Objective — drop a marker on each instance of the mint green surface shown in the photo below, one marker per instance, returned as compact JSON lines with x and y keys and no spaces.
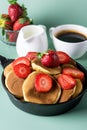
{"x":49,"y":13}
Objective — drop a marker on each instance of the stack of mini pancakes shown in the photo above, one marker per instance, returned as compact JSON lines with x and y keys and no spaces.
{"x":25,"y":89}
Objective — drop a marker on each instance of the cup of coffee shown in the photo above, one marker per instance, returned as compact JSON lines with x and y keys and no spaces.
{"x":70,"y":38}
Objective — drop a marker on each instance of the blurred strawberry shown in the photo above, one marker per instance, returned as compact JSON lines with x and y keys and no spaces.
{"x":5,"y":22}
{"x":11,"y":36}
{"x":74,"y":72}
{"x":21,"y":22}
{"x":32,"y":55}
{"x":15,"y":10}
{"x":63,"y":57}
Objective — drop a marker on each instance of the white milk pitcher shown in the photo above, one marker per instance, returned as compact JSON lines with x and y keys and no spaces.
{"x":31,"y":38}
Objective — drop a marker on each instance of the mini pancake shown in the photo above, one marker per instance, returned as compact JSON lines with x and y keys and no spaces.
{"x":36,"y":65}
{"x":7,"y":69}
{"x":68,"y":65}
{"x":14,"y":84}
{"x":66,"y":95}
{"x":79,"y":88}
{"x":31,"y":95}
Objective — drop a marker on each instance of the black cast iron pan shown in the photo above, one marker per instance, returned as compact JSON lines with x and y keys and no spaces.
{"x":44,"y":109}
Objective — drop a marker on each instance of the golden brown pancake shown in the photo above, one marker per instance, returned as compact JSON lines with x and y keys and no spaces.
{"x":67,"y":94}
{"x":36,"y":65}
{"x":68,"y":65}
{"x":14,"y":84}
{"x":78,"y":89}
{"x":7,"y":69}
{"x":31,"y":95}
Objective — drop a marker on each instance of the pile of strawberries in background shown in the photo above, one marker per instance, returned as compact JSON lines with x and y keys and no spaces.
{"x":16,"y":18}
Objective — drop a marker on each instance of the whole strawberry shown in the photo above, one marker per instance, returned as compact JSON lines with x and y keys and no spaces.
{"x":15,"y":10}
{"x":5,"y":22}
{"x":21,"y":22}
{"x":50,"y":59}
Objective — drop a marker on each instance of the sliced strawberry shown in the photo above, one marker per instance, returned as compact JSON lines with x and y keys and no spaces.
{"x":32,"y":55}
{"x":43,"y":82}
{"x":50,"y":59}
{"x":74,"y":73}
{"x":66,"y":81}
{"x":23,"y":60}
{"x":63,"y":57}
{"x":22,"y":70}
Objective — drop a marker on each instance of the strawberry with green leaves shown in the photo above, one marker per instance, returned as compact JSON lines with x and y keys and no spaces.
{"x":50,"y":59}
{"x":21,"y":22}
{"x":5,"y":22}
{"x":15,"y":10}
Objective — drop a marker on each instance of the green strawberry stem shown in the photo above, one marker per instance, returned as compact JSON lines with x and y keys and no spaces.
{"x":40,"y":55}
{"x":24,"y":10}
{"x":12,"y":1}
{"x":3,"y":32}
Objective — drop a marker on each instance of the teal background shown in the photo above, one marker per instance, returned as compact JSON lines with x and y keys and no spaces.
{"x":50,"y":13}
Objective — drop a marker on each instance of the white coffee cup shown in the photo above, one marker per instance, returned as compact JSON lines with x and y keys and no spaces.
{"x":74,"y":49}
{"x":31,"y":38}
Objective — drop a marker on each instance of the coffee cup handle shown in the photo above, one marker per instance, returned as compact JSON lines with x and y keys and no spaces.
{"x":50,"y":31}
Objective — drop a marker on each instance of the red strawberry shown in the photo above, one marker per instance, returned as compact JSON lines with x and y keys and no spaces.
{"x":14,"y":10}
{"x":22,"y":60}
{"x":66,"y":81}
{"x":63,"y":57}
{"x":50,"y":59}
{"x":5,"y":22}
{"x":12,"y":36}
{"x":22,"y":70}
{"x":74,"y":73}
{"x":43,"y":82}
{"x":32,"y":55}
{"x":21,"y":22}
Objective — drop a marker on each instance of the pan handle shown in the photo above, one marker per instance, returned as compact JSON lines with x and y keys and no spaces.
{"x":4,"y":61}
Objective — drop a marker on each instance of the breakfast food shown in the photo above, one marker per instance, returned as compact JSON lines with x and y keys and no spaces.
{"x":43,"y":95}
{"x":7,"y":69}
{"x":14,"y":84}
{"x":37,"y":65}
{"x":67,"y":94}
{"x":43,"y":81}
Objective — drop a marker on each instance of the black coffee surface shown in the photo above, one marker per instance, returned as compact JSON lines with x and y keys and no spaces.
{"x":71,"y":37}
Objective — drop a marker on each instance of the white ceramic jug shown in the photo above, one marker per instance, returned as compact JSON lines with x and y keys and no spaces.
{"x":32,"y":38}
